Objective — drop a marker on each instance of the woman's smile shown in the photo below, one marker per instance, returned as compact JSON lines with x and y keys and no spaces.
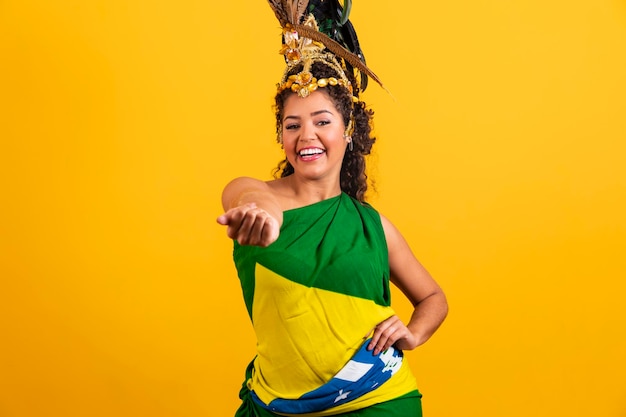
{"x":310,"y":153}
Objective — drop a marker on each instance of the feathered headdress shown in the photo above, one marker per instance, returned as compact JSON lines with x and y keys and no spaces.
{"x":319,"y":31}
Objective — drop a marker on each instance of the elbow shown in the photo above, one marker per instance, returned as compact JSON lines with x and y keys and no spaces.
{"x":437,"y":302}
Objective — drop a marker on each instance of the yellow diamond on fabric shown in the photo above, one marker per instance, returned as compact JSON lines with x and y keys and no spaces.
{"x":309,"y":326}
{"x":306,"y":335}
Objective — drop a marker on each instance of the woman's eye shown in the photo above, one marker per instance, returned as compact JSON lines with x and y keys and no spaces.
{"x":291,"y":126}
{"x":323,"y":122}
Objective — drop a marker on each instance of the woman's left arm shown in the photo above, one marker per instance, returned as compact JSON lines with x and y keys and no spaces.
{"x":429,"y":301}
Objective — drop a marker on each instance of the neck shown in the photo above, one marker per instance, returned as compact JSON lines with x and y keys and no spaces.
{"x":309,"y":192}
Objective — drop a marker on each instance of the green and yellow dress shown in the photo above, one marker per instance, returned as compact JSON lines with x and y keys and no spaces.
{"x":313,"y":297}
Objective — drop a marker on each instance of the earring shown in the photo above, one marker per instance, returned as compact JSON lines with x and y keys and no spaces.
{"x":350,"y":144}
{"x":350,"y":127}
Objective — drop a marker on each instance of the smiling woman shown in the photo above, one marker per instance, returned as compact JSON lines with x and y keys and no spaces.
{"x":315,"y":260}
{"x":314,"y":138}
{"x":346,"y":110}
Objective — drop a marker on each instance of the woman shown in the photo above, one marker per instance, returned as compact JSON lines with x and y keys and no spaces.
{"x":315,"y":261}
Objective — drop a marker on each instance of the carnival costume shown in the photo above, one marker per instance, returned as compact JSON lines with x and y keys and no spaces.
{"x":315,"y":295}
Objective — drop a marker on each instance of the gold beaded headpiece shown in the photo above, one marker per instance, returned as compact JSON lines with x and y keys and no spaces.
{"x":336,"y":45}
{"x":301,"y":50}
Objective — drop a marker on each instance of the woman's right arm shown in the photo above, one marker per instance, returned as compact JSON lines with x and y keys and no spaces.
{"x":252,"y":215}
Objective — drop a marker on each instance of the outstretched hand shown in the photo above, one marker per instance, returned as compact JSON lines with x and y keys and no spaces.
{"x":250,"y":225}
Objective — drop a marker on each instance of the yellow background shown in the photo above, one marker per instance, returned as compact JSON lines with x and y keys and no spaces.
{"x":501,"y":157}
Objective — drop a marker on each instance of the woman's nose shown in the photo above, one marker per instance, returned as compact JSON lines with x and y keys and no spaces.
{"x":307,"y":132}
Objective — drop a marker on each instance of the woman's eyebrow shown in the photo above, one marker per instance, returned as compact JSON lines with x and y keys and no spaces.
{"x":315,"y":113}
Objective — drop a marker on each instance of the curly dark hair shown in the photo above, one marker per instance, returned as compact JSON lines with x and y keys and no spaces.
{"x":353,"y":179}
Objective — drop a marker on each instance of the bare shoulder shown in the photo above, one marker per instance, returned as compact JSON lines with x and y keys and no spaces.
{"x":279,"y":185}
{"x":244,"y":183}
{"x":392,"y":234}
{"x":236,"y":188}
{"x":283,"y":192}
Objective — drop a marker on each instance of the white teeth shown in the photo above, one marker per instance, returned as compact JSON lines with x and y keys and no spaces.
{"x":310,"y":151}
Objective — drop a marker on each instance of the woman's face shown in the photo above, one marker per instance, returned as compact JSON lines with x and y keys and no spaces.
{"x":313,"y":136}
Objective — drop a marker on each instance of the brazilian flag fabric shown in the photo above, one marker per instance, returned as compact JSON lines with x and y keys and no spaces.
{"x":314,"y":296}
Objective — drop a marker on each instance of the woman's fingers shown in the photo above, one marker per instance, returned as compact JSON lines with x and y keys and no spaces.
{"x":258,"y":228}
{"x":389,"y":332}
{"x":271,"y":230}
{"x":250,"y":225}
